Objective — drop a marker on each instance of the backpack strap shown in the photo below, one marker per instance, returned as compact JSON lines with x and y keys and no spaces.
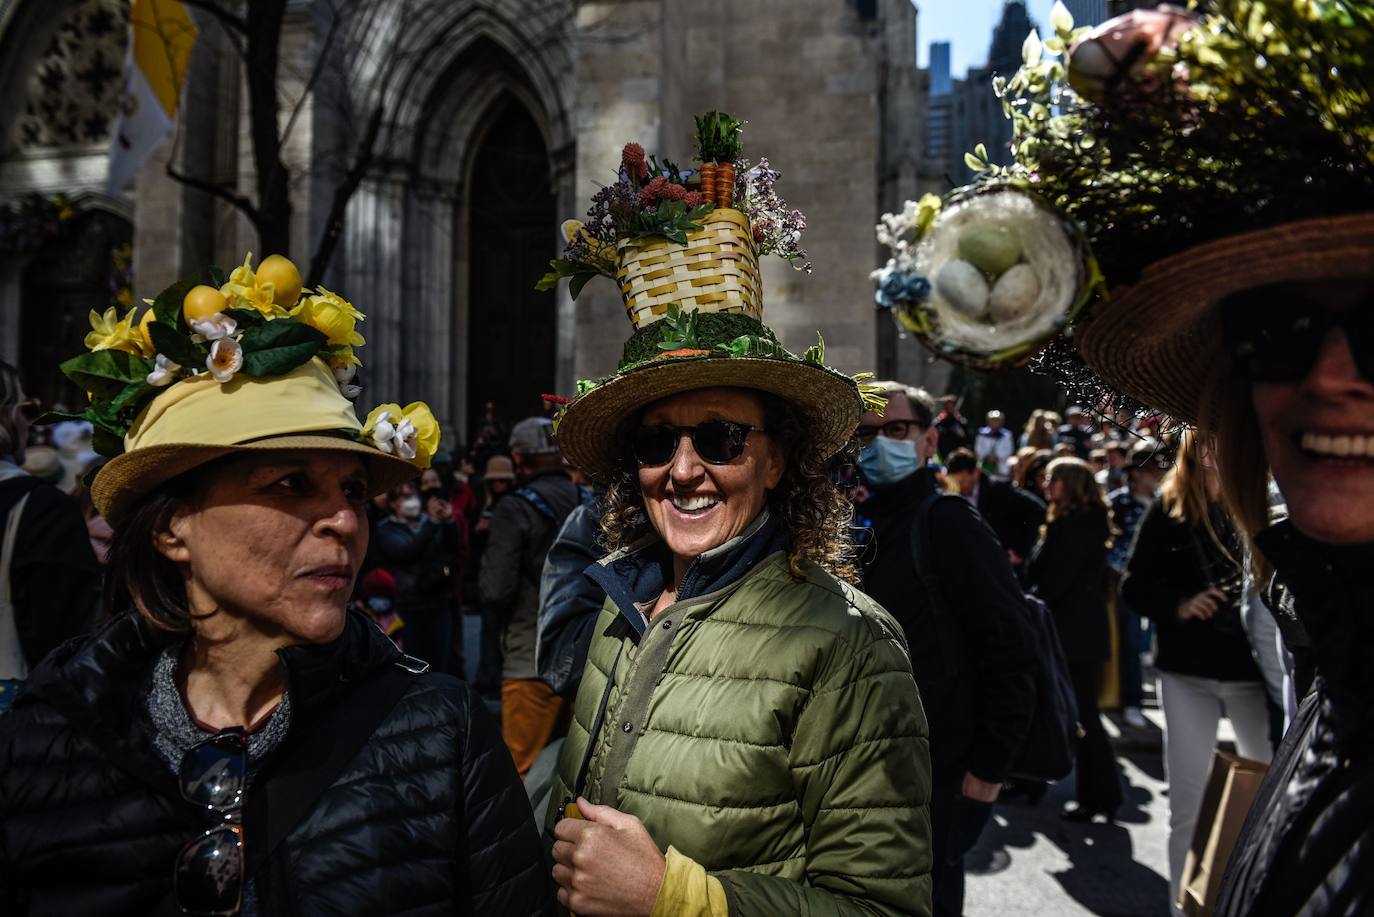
{"x":532,"y":497}
{"x":946,"y":628}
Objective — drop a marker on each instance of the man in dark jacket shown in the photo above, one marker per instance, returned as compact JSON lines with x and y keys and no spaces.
{"x":408,"y":806}
{"x":418,"y":549}
{"x":523,"y":527}
{"x":1014,"y":514}
{"x":974,"y":662}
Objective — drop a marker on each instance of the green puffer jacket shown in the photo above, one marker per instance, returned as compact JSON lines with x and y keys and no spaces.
{"x":771,"y":731}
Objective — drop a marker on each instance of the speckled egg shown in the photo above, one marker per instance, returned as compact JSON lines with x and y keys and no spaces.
{"x":962,"y":286}
{"x":991,"y":249}
{"x":1014,"y":294}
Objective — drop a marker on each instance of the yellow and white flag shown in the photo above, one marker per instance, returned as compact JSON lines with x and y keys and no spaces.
{"x":161,"y":36}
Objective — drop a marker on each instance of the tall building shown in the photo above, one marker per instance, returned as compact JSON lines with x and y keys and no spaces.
{"x":1090,"y":12}
{"x":497,"y":120}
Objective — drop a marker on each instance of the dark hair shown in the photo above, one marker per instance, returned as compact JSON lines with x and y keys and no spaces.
{"x":961,"y":460}
{"x":813,"y":511}
{"x":141,"y":576}
{"x":11,"y":394}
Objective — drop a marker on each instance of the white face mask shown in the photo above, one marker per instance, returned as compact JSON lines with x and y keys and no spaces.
{"x":409,"y":508}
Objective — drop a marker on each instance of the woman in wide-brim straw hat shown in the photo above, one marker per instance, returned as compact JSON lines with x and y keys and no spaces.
{"x":748,"y":736}
{"x":234,"y":740}
{"x":1220,"y":166}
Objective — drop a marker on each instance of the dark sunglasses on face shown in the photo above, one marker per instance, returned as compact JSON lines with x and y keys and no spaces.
{"x":209,"y":871}
{"x":892,"y":429}
{"x":1277,"y":337}
{"x":718,"y":442}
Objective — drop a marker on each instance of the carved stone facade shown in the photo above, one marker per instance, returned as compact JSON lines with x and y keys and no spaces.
{"x":443,"y":240}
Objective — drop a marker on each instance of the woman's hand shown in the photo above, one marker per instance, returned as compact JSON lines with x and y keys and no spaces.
{"x":1202,"y":606}
{"x":605,"y":863}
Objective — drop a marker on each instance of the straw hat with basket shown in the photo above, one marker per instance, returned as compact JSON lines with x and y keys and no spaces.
{"x":1195,"y":155}
{"x":687,"y":266}
{"x":242,"y":364}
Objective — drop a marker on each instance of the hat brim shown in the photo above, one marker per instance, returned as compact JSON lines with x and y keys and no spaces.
{"x":592,"y":429}
{"x":1160,"y":340}
{"x":128,"y":478}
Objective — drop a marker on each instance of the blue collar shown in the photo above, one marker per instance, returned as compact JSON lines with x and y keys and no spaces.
{"x":634,"y":577}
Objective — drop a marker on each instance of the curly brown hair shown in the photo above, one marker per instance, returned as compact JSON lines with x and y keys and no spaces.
{"x":815,"y":514}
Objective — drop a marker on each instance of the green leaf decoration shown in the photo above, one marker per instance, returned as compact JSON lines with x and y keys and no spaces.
{"x":579,"y":281}
{"x":277,"y":347}
{"x":133,"y":393}
{"x":246,"y":318}
{"x":104,"y":373}
{"x":106,"y":443}
{"x":816,"y":352}
{"x":176,"y":346}
{"x":167,"y":306}
{"x":585,"y":385}
{"x":751,"y":345}
{"x":577,"y":272}
{"x":216,"y":277}
{"x":51,"y":417}
{"x":679,"y":330}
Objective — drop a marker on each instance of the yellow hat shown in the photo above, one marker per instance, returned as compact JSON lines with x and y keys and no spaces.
{"x":266,"y":367}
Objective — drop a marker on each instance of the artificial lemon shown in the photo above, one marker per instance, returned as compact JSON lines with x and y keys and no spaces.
{"x":571,"y":229}
{"x":284,"y":277}
{"x":149,"y":316}
{"x":203,"y":302}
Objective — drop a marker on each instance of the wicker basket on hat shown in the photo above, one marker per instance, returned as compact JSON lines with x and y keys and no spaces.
{"x":716,"y":271}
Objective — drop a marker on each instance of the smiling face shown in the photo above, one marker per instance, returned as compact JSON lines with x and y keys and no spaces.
{"x":1318,"y":433}
{"x":273,"y":542}
{"x":696,"y":506}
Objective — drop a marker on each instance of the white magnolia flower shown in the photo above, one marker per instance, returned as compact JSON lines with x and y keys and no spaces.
{"x":384,"y":432}
{"x":345,"y":374}
{"x":164,"y":372}
{"x":226,"y":358}
{"x":404,"y":440}
{"x":214,"y":327}
{"x":350,"y":391}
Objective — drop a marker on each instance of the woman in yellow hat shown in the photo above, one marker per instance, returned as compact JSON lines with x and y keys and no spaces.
{"x":235,"y":741}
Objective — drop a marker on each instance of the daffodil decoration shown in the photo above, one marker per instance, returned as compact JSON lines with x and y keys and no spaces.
{"x":410,"y":433}
{"x":259,"y":323}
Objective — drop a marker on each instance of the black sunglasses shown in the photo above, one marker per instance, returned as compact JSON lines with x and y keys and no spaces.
{"x":718,"y":442}
{"x":1273,"y":336}
{"x":209,"y":872}
{"x":893,"y":429}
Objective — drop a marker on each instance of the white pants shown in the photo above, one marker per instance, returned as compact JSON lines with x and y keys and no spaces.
{"x":1193,"y":707}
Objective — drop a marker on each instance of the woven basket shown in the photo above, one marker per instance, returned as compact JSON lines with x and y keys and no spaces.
{"x":716,"y":271}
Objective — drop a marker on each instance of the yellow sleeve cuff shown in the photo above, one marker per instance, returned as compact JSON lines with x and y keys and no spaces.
{"x":687,"y":891}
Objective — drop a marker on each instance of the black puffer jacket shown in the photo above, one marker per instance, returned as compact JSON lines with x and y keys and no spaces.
{"x":426,"y":816}
{"x":1308,"y":845}
{"x":1068,"y":571}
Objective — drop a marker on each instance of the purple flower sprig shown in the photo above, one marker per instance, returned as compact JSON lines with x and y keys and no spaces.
{"x":777,"y":228}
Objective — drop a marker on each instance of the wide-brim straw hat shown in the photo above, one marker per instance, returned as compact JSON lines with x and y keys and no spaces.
{"x":1160,"y":340}
{"x":198,"y":420}
{"x":593,"y":430}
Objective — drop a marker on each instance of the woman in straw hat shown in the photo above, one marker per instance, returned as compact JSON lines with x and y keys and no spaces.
{"x":1219,"y":166}
{"x":235,"y":741}
{"x":747,"y":737}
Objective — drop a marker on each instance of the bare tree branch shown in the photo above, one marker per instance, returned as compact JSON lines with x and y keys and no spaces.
{"x":229,"y":20}
{"x":238,"y":201}
{"x":343,"y":193}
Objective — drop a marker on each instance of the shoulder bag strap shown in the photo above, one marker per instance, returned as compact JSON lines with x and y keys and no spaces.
{"x":946,"y":628}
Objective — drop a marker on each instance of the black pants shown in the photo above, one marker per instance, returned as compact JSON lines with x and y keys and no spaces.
{"x":955,"y":825}
{"x":1099,"y":782}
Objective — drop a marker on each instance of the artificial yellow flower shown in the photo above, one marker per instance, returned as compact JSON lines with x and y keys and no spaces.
{"x":410,"y":433}
{"x":331,"y":315}
{"x":344,"y":359}
{"x":110,"y":332}
{"x":245,"y":291}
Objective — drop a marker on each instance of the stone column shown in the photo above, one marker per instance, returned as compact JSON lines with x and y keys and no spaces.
{"x":371,"y":265}
{"x":11,"y":301}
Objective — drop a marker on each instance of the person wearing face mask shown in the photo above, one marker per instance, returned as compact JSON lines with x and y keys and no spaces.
{"x":975,"y":664}
{"x":418,"y":550}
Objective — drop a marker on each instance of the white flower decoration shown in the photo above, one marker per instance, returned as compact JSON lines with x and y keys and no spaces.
{"x":345,"y":374}
{"x":215,"y":327}
{"x":350,"y":391}
{"x":164,"y":372}
{"x":226,"y":358}
{"x":394,"y":439}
